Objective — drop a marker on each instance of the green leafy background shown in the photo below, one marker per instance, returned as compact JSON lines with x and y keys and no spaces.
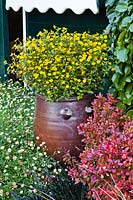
{"x":120,"y":28}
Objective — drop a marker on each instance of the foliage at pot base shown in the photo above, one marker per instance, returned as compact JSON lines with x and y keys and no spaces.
{"x":106,"y":163}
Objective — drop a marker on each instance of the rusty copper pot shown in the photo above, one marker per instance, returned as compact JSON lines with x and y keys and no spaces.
{"x":55,"y":123}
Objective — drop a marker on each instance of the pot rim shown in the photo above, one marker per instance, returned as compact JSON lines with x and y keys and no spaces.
{"x":73,"y":98}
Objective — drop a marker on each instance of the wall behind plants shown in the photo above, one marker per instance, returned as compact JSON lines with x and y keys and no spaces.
{"x":87,"y":21}
{"x":120,"y":28}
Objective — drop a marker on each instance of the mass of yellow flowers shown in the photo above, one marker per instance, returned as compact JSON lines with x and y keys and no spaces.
{"x":59,"y":64}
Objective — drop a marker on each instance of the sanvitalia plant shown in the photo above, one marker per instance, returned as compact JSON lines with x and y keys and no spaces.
{"x":59,"y":64}
{"x":107,"y":156}
{"x":120,"y":28}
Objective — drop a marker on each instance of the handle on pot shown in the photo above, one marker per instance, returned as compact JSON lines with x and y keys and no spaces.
{"x":88,"y":109}
{"x":66,"y":113}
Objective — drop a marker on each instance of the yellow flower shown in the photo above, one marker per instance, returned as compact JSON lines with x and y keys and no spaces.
{"x":37,"y":67}
{"x":78,"y":80}
{"x":89,"y":58}
{"x":48,"y":91}
{"x":67,"y":75}
{"x":56,"y":58}
{"x":43,"y":73}
{"x":82,"y":73}
{"x":84,"y":81}
{"x":67,"y":86}
{"x":51,"y":80}
{"x":54,"y":73}
{"x":93,"y":63}
{"x":35,"y":75}
{"x":112,"y":69}
{"x":70,"y":67}
{"x":98,"y":61}
{"x":63,"y":82}
{"x":90,"y":50}
{"x":105,"y":37}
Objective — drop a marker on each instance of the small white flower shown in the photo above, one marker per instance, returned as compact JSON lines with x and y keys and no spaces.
{"x":7,"y":193}
{"x":45,"y":154}
{"x":1,"y":192}
{"x":40,"y":154}
{"x":35,"y":168}
{"x":15,"y":168}
{"x":20,"y":150}
{"x":14,"y":157}
{"x":9,"y":150}
{"x":9,"y":140}
{"x":55,"y":170}
{"x":37,"y":137}
{"x":14,"y":183}
{"x":7,"y":158}
{"x":34,"y":158}
{"x":43,"y":143}
{"x":35,"y":191}
{"x":22,"y":185}
{"x":59,"y":170}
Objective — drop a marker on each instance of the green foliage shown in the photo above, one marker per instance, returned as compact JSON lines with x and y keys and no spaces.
{"x":19,"y":156}
{"x":120,"y":28}
{"x":27,"y":173}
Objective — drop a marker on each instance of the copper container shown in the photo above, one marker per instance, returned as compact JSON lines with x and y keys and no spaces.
{"x":56,"y":124}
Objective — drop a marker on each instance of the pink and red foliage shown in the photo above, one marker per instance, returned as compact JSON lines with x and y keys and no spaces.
{"x":108,"y":152}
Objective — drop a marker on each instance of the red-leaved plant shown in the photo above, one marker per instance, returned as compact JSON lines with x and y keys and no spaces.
{"x":106,"y":163}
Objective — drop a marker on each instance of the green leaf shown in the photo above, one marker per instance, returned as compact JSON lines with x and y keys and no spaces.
{"x":131,"y":28}
{"x":121,"y":38}
{"x":122,"y":82}
{"x":127,"y":70}
{"x":128,"y":79}
{"x":129,"y":88}
{"x":130,"y":114}
{"x":130,"y":8}
{"x":118,"y":69}
{"x":121,"y":105}
{"x":115,"y":77}
{"x":125,"y":21}
{"x":121,"y":7}
{"x":111,"y":17}
{"x":109,"y":2}
{"x":121,"y":95}
{"x":128,"y":95}
{"x":111,"y":90}
{"x":115,"y":80}
{"x":122,"y":54}
{"x":128,"y":101}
